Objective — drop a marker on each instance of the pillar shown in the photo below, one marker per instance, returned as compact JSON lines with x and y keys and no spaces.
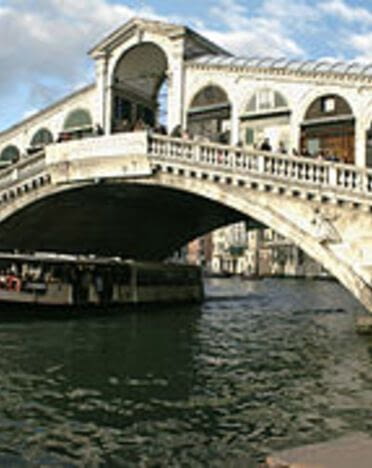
{"x":360,"y":144}
{"x":101,"y":80}
{"x":235,"y":137}
{"x":175,"y":90}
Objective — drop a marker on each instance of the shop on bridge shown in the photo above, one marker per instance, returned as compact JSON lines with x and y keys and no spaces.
{"x":209,"y":115}
{"x":266,"y":117}
{"x":329,"y":128}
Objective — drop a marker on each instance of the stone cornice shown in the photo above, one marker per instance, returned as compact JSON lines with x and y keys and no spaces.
{"x":321,"y":78}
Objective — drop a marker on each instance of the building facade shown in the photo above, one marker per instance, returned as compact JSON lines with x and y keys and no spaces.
{"x":257,"y":253}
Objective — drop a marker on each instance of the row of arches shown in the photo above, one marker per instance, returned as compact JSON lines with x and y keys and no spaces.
{"x":328,"y":125}
{"x":139,"y":77}
{"x":77,"y":124}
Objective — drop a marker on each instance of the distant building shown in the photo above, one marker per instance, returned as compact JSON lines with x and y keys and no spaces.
{"x":233,"y":250}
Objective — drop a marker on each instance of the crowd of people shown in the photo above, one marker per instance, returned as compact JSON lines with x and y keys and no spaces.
{"x":222,"y":137}
{"x":321,"y":154}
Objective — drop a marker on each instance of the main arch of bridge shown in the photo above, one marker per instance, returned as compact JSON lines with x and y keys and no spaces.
{"x":151,"y":218}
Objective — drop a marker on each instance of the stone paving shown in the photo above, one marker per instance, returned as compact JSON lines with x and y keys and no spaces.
{"x":353,"y":451}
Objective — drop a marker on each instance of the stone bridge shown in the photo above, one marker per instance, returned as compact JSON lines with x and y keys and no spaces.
{"x":143,"y":195}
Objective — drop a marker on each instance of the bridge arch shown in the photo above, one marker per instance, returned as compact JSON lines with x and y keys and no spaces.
{"x":259,"y":208}
{"x":10,"y":153}
{"x":209,"y":113}
{"x":85,"y":215}
{"x":137,"y":77}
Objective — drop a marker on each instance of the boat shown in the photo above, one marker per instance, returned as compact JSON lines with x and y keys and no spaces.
{"x":44,"y":279}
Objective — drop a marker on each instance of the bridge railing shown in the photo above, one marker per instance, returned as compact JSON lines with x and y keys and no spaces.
{"x":23,"y":169}
{"x":281,"y":167}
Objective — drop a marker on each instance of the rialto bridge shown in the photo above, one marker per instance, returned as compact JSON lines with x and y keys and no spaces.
{"x":75,"y":179}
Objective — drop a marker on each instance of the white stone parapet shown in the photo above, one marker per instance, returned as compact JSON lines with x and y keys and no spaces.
{"x":130,"y":154}
{"x":299,"y":171}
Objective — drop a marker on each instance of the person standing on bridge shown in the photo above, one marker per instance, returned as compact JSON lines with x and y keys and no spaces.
{"x":266,"y":146}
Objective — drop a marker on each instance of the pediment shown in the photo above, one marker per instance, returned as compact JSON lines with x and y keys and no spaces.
{"x":195,"y":44}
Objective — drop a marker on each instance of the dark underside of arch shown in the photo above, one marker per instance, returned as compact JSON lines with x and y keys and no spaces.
{"x":132,"y":220}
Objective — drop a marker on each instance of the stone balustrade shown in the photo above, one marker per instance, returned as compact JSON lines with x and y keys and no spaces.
{"x":280,"y":167}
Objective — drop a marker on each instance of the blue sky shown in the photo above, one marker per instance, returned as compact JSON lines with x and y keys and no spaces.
{"x":44,"y":42}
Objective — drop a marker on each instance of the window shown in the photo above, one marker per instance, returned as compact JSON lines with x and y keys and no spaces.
{"x":249,"y":136}
{"x":313,"y":145}
{"x":266,"y":99}
{"x":41,"y":138}
{"x":10,"y":154}
{"x":78,"y":118}
{"x":328,"y":104}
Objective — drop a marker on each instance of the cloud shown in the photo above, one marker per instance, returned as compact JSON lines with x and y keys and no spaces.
{"x":361,"y":43}
{"x":44,"y":44}
{"x":348,"y":13}
{"x":261,"y":34}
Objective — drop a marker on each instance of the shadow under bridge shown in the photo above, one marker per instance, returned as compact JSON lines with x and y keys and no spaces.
{"x":132,"y":220}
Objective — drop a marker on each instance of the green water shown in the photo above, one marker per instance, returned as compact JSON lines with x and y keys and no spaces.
{"x":259,"y":366}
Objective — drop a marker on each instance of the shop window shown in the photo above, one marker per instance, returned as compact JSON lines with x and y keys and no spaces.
{"x":313,"y":145}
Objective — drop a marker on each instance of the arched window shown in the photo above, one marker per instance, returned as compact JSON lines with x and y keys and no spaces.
{"x":328,"y":128}
{"x":138,"y":84}
{"x":41,"y":138}
{"x":209,"y":114}
{"x":266,"y":119}
{"x":266,"y":99}
{"x":10,"y":154}
{"x":78,"y":119}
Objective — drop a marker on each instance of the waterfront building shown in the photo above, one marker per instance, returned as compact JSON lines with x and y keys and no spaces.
{"x":259,"y":253}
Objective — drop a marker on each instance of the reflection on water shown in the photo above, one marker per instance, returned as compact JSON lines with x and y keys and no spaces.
{"x":260,"y":366}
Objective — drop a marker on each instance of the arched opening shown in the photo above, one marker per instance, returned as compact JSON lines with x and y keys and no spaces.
{"x":369,"y":146}
{"x":209,"y":114}
{"x":40,"y":139}
{"x":10,"y":155}
{"x":328,"y":129}
{"x":78,"y":124}
{"x":139,"y":85}
{"x":266,"y":119}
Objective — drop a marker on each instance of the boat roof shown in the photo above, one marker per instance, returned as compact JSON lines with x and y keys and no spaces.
{"x":53,"y":259}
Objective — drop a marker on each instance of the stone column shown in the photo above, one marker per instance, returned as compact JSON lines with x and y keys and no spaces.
{"x":175,"y":90}
{"x":234,"y":123}
{"x":295,"y":133}
{"x":360,"y":144}
{"x":101,"y":80}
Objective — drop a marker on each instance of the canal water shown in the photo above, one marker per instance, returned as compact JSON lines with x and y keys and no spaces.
{"x":259,"y":366}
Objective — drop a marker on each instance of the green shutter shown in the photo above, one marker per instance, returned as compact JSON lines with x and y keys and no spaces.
{"x":249,"y":136}
{"x":10,"y":153}
{"x":77,"y":119}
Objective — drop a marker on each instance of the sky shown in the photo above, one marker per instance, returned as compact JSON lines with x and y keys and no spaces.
{"x":45,"y":42}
